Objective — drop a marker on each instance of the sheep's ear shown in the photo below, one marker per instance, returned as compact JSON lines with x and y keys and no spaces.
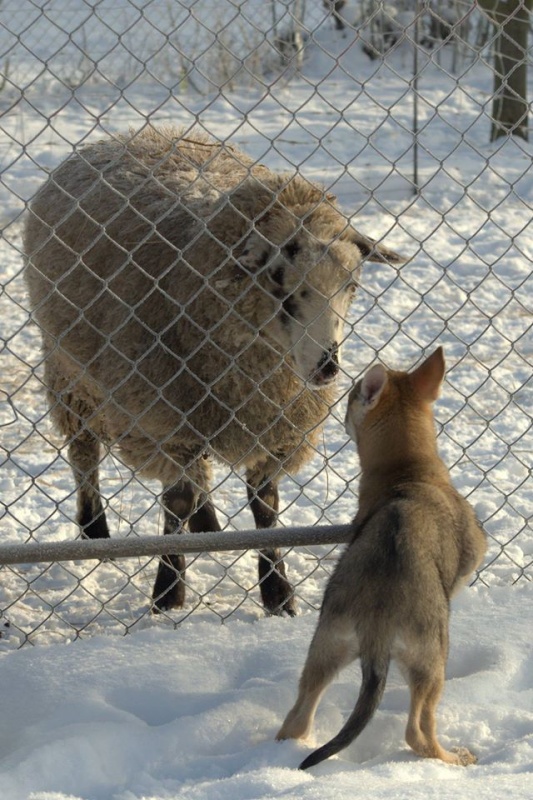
{"x":256,"y":253}
{"x":372,"y":386}
{"x":427,"y":378}
{"x":373,"y":251}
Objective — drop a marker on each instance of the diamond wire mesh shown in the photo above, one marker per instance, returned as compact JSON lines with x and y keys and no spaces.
{"x":325,"y":90}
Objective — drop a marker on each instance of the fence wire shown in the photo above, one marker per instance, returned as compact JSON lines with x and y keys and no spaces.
{"x":414,"y":115}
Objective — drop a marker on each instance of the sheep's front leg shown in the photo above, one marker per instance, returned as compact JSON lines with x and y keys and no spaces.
{"x":204,"y":519}
{"x":276,"y":591}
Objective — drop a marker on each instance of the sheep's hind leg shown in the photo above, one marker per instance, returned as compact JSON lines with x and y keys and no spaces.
{"x":169,"y":587}
{"x":84,"y":454}
{"x":276,"y":591}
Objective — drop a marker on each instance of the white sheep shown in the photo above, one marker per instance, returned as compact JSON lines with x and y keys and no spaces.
{"x":191,"y":304}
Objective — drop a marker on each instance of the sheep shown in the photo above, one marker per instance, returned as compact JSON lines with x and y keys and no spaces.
{"x":191,"y":305}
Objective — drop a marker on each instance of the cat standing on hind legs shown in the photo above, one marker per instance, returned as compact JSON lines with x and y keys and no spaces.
{"x":415,"y":542}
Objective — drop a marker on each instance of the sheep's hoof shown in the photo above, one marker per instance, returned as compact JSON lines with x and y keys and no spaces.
{"x":169,"y":588}
{"x":277,"y":593}
{"x":288,"y":610}
{"x":167,"y":602}
{"x":278,"y":597}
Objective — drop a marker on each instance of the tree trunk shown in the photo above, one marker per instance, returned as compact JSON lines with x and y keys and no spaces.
{"x":509,"y":106}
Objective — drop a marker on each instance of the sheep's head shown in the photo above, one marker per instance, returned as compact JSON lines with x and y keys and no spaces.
{"x":308,"y":282}
{"x":292,"y":243}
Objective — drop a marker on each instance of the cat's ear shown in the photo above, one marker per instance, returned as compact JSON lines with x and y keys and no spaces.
{"x":372,"y":385}
{"x":427,"y":378}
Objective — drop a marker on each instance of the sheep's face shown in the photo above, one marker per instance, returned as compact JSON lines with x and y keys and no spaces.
{"x":309,"y":285}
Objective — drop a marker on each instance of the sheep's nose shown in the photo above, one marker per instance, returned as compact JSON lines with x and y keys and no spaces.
{"x":328,"y":366}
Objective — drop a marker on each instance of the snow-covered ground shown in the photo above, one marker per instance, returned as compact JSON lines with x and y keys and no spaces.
{"x":191,"y":713}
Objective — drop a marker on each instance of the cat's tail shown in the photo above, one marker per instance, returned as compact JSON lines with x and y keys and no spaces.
{"x":372,"y":687}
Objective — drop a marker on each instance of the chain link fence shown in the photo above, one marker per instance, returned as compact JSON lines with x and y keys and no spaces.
{"x":390,"y":109}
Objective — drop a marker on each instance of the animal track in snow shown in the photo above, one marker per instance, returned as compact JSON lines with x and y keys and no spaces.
{"x":157,"y":708}
{"x":471,"y":659}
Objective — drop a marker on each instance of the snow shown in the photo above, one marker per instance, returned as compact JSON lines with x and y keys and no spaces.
{"x":189,"y":712}
{"x":192,"y":714}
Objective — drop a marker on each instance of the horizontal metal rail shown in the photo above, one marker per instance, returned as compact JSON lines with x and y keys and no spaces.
{"x":85,"y":549}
